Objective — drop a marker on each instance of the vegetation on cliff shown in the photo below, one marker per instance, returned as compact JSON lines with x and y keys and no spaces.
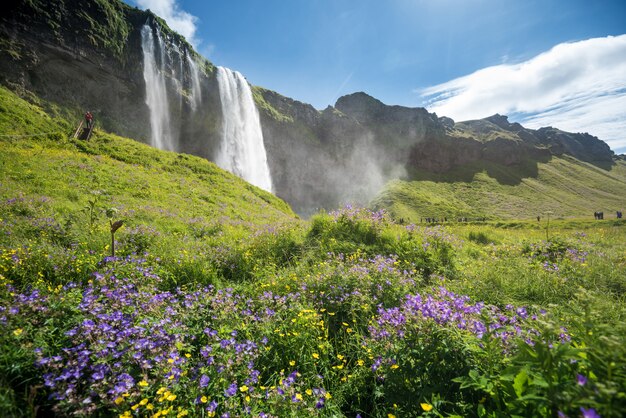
{"x":104,"y":24}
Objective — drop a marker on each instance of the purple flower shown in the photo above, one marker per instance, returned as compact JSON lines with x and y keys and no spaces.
{"x":589,"y":413}
{"x":231,"y":391}
{"x":204,"y":381}
{"x":581,"y":379}
{"x":212,"y":406}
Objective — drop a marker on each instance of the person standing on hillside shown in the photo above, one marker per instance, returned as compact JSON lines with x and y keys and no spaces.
{"x":89,"y":119}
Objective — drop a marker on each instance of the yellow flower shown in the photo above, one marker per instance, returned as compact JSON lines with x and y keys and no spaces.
{"x":182,"y":413}
{"x":149,"y":407}
{"x":339,"y":356}
{"x":18,"y":332}
{"x":143,"y":383}
{"x":316,"y":356}
{"x":292,"y":363}
{"x":243,"y":388}
{"x":171,"y":397}
{"x":204,"y":399}
{"x":308,"y":392}
{"x":187,"y":355}
{"x":143,"y":401}
{"x":298,"y":396}
{"x":360,"y":362}
{"x":391,"y":416}
{"x":426,"y":407}
{"x":395,"y":366}
{"x":327,"y":395}
{"x":118,"y":400}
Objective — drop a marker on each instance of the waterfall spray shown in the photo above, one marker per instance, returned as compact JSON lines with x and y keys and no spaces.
{"x":242,"y":151}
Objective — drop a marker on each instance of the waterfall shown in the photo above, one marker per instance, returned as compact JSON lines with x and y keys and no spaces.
{"x":196,"y":92}
{"x":156,"y":93}
{"x":242,"y":151}
{"x":177,"y":73}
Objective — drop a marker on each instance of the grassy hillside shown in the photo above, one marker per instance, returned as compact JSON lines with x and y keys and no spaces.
{"x":158,"y":194}
{"x":220,"y":302}
{"x":563,"y":185}
{"x":39,"y":160}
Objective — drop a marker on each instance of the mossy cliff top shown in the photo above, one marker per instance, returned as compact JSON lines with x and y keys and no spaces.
{"x":105,"y":25}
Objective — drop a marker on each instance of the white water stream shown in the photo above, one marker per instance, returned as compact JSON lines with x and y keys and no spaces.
{"x":156,"y":93}
{"x":196,"y":91}
{"x":242,"y":151}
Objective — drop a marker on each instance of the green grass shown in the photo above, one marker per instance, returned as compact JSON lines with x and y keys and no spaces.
{"x":233,"y":299}
{"x":563,"y":186}
{"x":175,"y":202}
{"x":129,"y":174}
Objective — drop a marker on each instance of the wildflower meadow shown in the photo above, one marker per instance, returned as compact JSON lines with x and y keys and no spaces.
{"x":347,"y":314}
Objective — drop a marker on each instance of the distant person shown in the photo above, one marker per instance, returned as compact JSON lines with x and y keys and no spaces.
{"x":89,"y":119}
{"x":538,"y":218}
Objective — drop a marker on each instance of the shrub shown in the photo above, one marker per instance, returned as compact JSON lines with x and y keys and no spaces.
{"x":480,"y":238}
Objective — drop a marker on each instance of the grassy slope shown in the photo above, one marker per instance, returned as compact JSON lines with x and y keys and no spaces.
{"x":564,"y":185}
{"x":162,"y":189}
{"x":308,"y":311}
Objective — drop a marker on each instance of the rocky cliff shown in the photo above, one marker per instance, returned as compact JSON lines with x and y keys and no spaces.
{"x":87,"y":55}
{"x":90,"y":55}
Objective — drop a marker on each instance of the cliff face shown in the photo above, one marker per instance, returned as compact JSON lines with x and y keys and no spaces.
{"x":317,"y":159}
{"x":79,"y":54}
{"x":87,"y":55}
{"x":90,"y":55}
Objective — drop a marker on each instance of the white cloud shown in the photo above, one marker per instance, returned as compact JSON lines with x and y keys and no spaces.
{"x":578,"y":86}
{"x":177,"y":19}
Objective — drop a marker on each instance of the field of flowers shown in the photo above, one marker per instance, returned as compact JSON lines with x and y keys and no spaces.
{"x":348,"y":314}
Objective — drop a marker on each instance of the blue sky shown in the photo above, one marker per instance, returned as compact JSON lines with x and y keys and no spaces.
{"x":547,"y":62}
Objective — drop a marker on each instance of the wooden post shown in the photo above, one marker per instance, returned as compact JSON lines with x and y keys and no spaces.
{"x":114,"y":227}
